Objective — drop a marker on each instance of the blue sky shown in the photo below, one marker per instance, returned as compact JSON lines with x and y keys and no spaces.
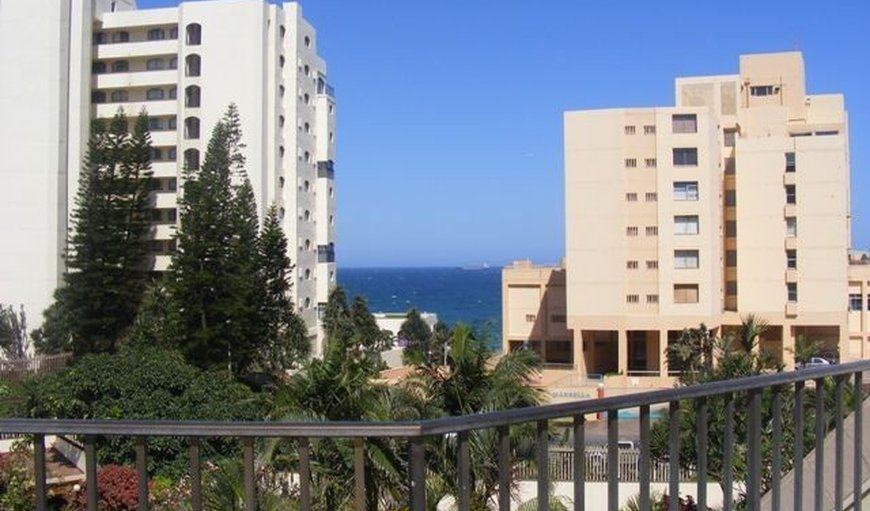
{"x":449,"y":113}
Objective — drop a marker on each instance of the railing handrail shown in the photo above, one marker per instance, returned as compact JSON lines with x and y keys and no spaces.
{"x":421,"y":428}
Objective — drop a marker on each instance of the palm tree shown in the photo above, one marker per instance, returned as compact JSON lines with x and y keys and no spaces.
{"x":472,"y":382}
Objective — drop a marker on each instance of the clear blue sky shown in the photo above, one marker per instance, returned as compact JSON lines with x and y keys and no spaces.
{"x":449,"y":134}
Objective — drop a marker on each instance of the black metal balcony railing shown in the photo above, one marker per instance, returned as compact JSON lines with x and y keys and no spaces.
{"x":416,"y":432}
{"x":326,"y":253}
{"x":326,"y":169}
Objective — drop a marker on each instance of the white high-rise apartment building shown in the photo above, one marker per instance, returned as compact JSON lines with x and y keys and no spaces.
{"x":66,"y":62}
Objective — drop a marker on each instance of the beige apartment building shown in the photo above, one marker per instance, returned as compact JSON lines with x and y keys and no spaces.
{"x":734,"y":201}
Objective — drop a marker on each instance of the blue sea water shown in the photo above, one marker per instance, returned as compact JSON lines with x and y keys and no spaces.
{"x":470,"y":296}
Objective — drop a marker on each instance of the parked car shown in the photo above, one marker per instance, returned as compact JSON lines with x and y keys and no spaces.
{"x":814,"y":362}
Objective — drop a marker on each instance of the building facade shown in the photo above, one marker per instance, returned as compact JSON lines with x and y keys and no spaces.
{"x":184,"y":66}
{"x":733,"y":202}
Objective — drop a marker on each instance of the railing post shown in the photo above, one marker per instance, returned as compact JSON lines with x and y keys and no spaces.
{"x":753,"y":483}
{"x":579,"y":462}
{"x":359,"y":474}
{"x":820,"y":445}
{"x":728,"y":455}
{"x":504,"y":468}
{"x":141,"y":473}
{"x":776,"y":462}
{"x":838,"y":450}
{"x":91,"y":472}
{"x":701,"y":449}
{"x":644,"y":458}
{"x":798,"y":455}
{"x":858,"y":403}
{"x":613,"y":460}
{"x":250,"y":481}
{"x":674,"y":456}
{"x":195,"y":474}
{"x":39,"y":472}
{"x":543,"y":466}
{"x":417,"y":468}
{"x":464,"y":473}
{"x":304,"y":475}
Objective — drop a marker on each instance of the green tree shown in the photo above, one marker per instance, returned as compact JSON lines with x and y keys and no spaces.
{"x":13,"y":333}
{"x":107,"y":267}
{"x":468,"y":385}
{"x":157,"y":322}
{"x":287,"y":342}
{"x":212,"y":276}
{"x":366,"y":329}
{"x":418,"y":338}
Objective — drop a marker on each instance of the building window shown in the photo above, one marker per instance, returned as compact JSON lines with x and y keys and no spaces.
{"x":155,"y":124}
{"x":631,"y":231}
{"x":171,"y":154}
{"x":685,"y":259}
{"x":855,"y":302}
{"x":652,"y":196}
{"x":98,"y":96}
{"x":652,"y":230}
{"x":307,"y":128}
{"x":156,"y":154}
{"x":686,"y":224}
{"x":650,"y":163}
{"x":194,"y":34}
{"x":730,"y":166}
{"x":649,"y":129}
{"x":306,"y":98}
{"x":121,"y":37}
{"x":729,"y":137}
{"x":630,"y":130}
{"x":827,"y":133}
{"x":631,"y":162}
{"x":631,"y":197}
{"x":191,"y":159}
{"x":730,"y":258}
{"x":791,"y":226}
{"x":791,"y":259}
{"x":99,"y":38}
{"x":730,"y":198}
{"x":307,"y":41}
{"x":652,"y":299}
{"x":120,"y":66}
{"x":120,"y":96}
{"x":173,"y":32}
{"x":281,"y":91}
{"x":98,"y":68}
{"x":791,"y":289}
{"x":173,"y":93}
{"x":280,"y":121}
{"x":790,"y":165}
{"x":282,"y":31}
{"x":191,"y":128}
{"x":154,"y":94}
{"x":762,"y":90}
{"x":192,"y":65}
{"x":156,"y":34}
{"x":731,"y":228}
{"x":790,"y":194}
{"x":731,"y":288}
{"x":173,"y":63}
{"x":685,"y":156}
{"x":192,"y":96}
{"x":652,"y":264}
{"x":632,"y":299}
{"x":685,"y":123}
{"x":154,"y":64}
{"x":685,"y":293}
{"x":172,"y":184}
{"x":686,"y":190}
{"x":631,"y":265}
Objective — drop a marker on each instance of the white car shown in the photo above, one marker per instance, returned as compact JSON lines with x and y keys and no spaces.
{"x":815,"y":362}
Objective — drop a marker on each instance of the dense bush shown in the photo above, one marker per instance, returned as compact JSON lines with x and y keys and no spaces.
{"x":142,"y":383}
{"x":17,"y":487}
{"x":117,"y":490}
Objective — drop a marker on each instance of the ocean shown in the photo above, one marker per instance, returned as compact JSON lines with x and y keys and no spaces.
{"x":470,"y":296}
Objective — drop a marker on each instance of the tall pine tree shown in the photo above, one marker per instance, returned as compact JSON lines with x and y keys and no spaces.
{"x":107,"y":268}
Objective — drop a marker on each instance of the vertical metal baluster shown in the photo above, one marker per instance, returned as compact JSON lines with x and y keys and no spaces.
{"x":39,"y":472}
{"x":674,"y":456}
{"x":142,"y":472}
{"x":195,"y":474}
{"x":702,"y":452}
{"x":838,"y":432}
{"x":753,"y":483}
{"x":728,"y":455}
{"x":464,"y":473}
{"x":417,"y":468}
{"x":798,"y":456}
{"x":776,"y":463}
{"x":820,"y":443}
{"x":579,"y":462}
{"x":91,"y":472}
{"x":359,"y":474}
{"x":543,"y":466}
{"x":304,"y":475}
{"x":250,"y":483}
{"x":858,"y":481}
{"x":644,"y":458}
{"x":504,"y":468}
{"x":612,"y":460}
